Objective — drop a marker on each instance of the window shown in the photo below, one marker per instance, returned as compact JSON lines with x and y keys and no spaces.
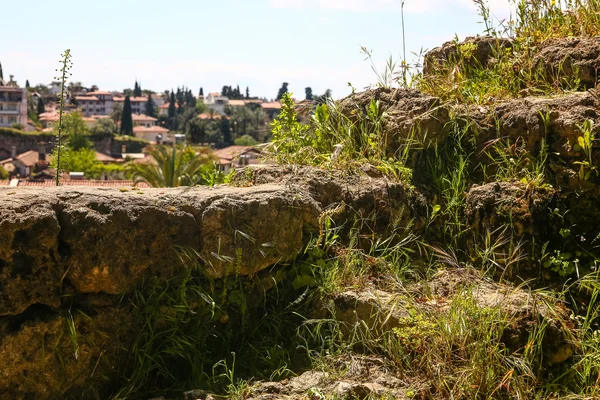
{"x":12,"y":120}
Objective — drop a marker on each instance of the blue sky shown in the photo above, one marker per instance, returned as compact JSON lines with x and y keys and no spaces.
{"x":255,"y":43}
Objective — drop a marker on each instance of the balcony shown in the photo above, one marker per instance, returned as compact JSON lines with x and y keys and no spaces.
{"x":10,"y":108}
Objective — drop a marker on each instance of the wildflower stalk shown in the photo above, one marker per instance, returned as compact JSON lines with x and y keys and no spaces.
{"x":64,"y":70}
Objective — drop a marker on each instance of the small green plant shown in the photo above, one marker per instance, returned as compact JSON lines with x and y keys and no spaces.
{"x":585,"y":143}
{"x":66,"y":65}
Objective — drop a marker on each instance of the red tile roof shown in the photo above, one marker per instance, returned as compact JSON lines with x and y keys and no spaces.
{"x":232,"y":152}
{"x":274,"y":105}
{"x":132,"y":99}
{"x":86,"y":98}
{"x":4,"y":182}
{"x":142,"y":117}
{"x":153,"y":129}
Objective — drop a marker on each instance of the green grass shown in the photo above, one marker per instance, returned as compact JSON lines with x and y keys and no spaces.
{"x":514,"y":72}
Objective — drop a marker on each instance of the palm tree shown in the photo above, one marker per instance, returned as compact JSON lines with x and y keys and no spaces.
{"x":172,"y":167}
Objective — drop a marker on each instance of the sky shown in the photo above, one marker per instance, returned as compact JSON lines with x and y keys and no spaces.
{"x":201,"y":43}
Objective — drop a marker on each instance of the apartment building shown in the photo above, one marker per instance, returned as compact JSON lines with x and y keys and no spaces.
{"x":95,"y":103}
{"x":13,"y":104}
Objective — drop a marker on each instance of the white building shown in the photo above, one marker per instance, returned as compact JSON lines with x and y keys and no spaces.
{"x":13,"y":104}
{"x":216,"y":102}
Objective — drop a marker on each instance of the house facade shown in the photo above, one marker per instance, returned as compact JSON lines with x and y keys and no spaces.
{"x":13,"y":104}
{"x":216,"y":102}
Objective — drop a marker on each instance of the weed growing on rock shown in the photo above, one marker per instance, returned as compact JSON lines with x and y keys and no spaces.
{"x":335,"y":140}
{"x":66,"y":65}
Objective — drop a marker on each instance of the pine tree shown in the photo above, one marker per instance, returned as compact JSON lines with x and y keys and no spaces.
{"x":150,"y":107}
{"x":40,"y":107}
{"x":247,"y":92}
{"x":126,"y":118}
{"x":282,"y":90}
{"x":309,"y":93}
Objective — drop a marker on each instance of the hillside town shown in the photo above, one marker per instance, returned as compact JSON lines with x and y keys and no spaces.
{"x":118,"y":128}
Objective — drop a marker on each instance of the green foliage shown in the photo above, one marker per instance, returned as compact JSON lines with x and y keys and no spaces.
{"x":245,"y":140}
{"x":585,"y":143}
{"x":104,"y":127}
{"x":514,"y":71}
{"x":333,"y":139}
{"x":3,"y":173}
{"x":76,"y":131}
{"x":173,"y":167}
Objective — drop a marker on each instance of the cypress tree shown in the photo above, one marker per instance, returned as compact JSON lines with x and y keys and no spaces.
{"x":150,"y":106}
{"x":40,"y":107}
{"x":247,"y":92}
{"x":172,"y":110}
{"x":172,"y":106}
{"x":201,"y":91}
{"x":27,"y":83}
{"x":1,"y":75}
{"x":137,"y":90}
{"x":126,"y":118}
{"x":226,"y":130}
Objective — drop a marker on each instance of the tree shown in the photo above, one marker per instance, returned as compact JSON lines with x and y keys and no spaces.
{"x":226,"y":130}
{"x":247,"y":92}
{"x":76,"y":131}
{"x":309,"y":93}
{"x":27,"y":83}
{"x":282,"y":90}
{"x":150,"y":111}
{"x":245,"y":140}
{"x":116,"y":112}
{"x":1,"y":74}
{"x":172,"y":167}
{"x":172,"y":102}
{"x":104,"y":127}
{"x":202,"y":92}
{"x":40,"y":106}
{"x":137,"y":90}
{"x":126,"y":118}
